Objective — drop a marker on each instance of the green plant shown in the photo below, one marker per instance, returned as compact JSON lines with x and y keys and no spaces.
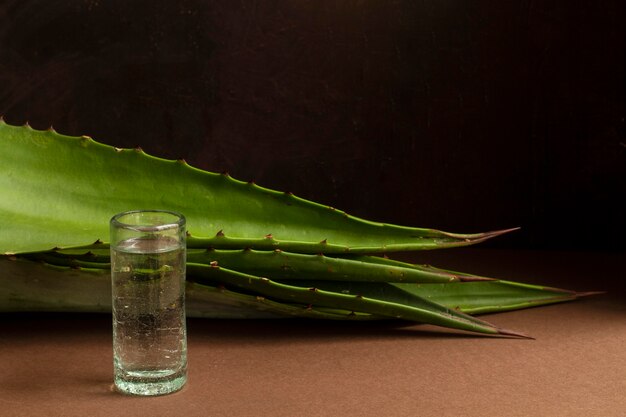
{"x":251,"y":251}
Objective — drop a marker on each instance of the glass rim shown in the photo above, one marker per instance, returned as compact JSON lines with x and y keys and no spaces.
{"x":115,"y":221}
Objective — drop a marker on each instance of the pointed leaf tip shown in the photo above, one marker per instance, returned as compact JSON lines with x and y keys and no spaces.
{"x":470,"y":239}
{"x":512,"y":229}
{"x":507,"y":332}
{"x":495,"y":233}
{"x":589,"y":293}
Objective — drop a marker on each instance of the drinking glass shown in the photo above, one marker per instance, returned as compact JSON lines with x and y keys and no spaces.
{"x":148,"y":277}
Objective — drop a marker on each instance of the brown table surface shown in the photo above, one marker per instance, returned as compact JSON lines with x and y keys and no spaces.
{"x":60,"y":364}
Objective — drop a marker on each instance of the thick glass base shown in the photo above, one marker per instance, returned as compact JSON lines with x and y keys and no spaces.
{"x":150,"y":382}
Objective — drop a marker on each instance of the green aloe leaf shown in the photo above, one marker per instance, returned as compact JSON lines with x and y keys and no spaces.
{"x":457,"y":290}
{"x":60,"y":191}
{"x":39,"y":286}
{"x":472,"y":297}
{"x":479,"y":297}
{"x":276,"y":264}
{"x":420,"y":310}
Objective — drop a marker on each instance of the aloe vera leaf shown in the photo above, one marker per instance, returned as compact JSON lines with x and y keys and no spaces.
{"x":38,"y":286}
{"x":369,"y":267}
{"x":60,"y":191}
{"x":428,"y":312}
{"x":429,"y":240}
{"x":474,"y":297}
{"x":477,"y":294}
{"x":481,"y":297}
{"x":280,"y":265}
{"x":275,"y":264}
{"x":42,"y":286}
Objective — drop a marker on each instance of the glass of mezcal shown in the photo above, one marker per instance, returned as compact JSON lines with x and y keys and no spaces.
{"x":148,"y":276}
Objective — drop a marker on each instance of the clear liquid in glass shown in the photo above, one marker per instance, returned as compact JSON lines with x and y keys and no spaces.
{"x":149,"y":332}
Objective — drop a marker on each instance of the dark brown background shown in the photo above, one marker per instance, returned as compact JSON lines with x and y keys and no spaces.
{"x":460,"y":115}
